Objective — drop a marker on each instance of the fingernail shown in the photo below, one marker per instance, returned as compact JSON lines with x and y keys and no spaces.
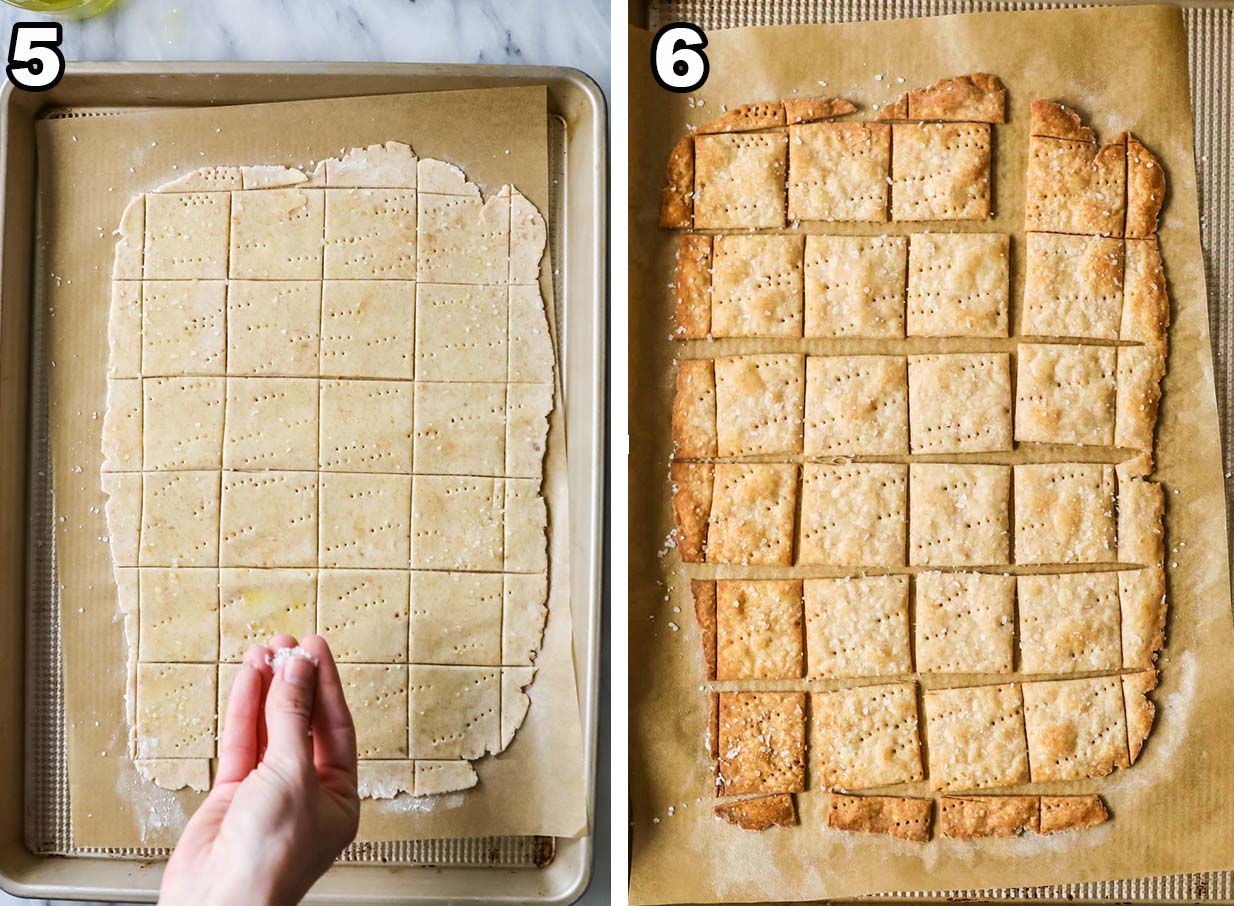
{"x":299,"y":671}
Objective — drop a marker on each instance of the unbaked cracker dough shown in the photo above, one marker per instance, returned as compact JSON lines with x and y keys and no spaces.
{"x":328,"y":400}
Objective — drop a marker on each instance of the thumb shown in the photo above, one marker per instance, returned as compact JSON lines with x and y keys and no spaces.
{"x":289,"y":711}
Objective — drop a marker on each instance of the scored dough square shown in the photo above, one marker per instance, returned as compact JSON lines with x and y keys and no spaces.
{"x":457,"y":523}
{"x":854,"y":286}
{"x":867,"y":736}
{"x":1076,"y":728}
{"x":976,"y":737}
{"x":186,"y":236}
{"x":175,"y":710}
{"x":269,"y":519}
{"x":856,"y":406}
{"x":760,"y":404}
{"x":182,"y":422}
{"x":761,"y":741}
{"x":460,"y":429}
{"x":965,"y":622}
{"x":1073,"y":286}
{"x":182,"y":327}
{"x":752,"y":512}
{"x":958,"y":285}
{"x":526,"y":522}
{"x":857,"y":626}
{"x":758,"y":629}
{"x":530,"y":343}
{"x":852,"y":515}
{"x":124,"y":330}
{"x":524,"y":612}
{"x":366,"y":426}
{"x":1065,"y":394}
{"x":367,"y":328}
{"x":527,"y":410}
{"x":739,"y":180}
{"x":463,"y":239}
{"x":940,"y":171}
{"x":271,"y":424}
{"x":124,"y":511}
{"x":461,"y":333}
{"x":258,"y":604}
{"x":454,"y":711}
{"x":180,"y":519}
{"x":1064,"y":513}
{"x":122,"y":426}
{"x":756,"y":286}
{"x":960,"y":402}
{"x":838,"y":171}
{"x":277,"y":234}
{"x":456,"y":618}
{"x":364,"y":520}
{"x":377,"y":696}
{"x":273,"y":327}
{"x":370,"y":234}
{"x":362,"y":613}
{"x":1075,"y":187}
{"x":178,"y":615}
{"x":959,"y":514}
{"x":1069,"y":623}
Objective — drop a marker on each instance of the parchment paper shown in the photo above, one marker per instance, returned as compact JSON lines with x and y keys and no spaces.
{"x":1123,"y":69}
{"x":88,"y":169}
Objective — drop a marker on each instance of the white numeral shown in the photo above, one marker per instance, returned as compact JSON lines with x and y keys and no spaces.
{"x":35,"y":60}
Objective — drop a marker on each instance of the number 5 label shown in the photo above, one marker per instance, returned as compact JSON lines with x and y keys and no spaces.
{"x":677,"y":59}
{"x":35,"y":60}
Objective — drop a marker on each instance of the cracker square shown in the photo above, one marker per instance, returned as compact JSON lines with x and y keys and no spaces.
{"x":461,"y":333}
{"x":456,"y":523}
{"x":692,"y":288}
{"x":694,"y":409}
{"x":958,"y":284}
{"x":368,"y":328}
{"x":867,"y":736}
{"x":258,"y":604}
{"x":1069,"y":623}
{"x":976,"y":737}
{"x":739,"y":180}
{"x":179,"y":519}
{"x":1073,"y":286}
{"x":940,"y":171}
{"x":365,"y":426}
{"x":463,"y":239}
{"x":524,"y":611}
{"x":756,"y":286}
{"x":854,"y":286}
{"x":186,"y":236}
{"x":460,"y":429}
{"x":853,"y":515}
{"x":362,"y":613}
{"x":436,"y":777}
{"x":1076,"y":728}
{"x":762,"y":737}
{"x":895,"y":816}
{"x":454,"y":711}
{"x":271,"y":424}
{"x":273,"y":327}
{"x":1065,"y":394}
{"x":758,"y":629}
{"x":1064,"y":513}
{"x":1075,"y":187}
{"x":182,"y":327}
{"x":856,"y":406}
{"x":530,"y":344}
{"x":182,"y":420}
{"x":959,"y":514}
{"x":378,"y":696}
{"x":526,"y":522}
{"x":364,"y":520}
{"x":692,"y":486}
{"x":527,"y":410}
{"x":175,"y":710}
{"x":965,"y":622}
{"x":277,"y":234}
{"x":1146,"y":299}
{"x":974,"y":817}
{"x":960,"y":402}
{"x":122,"y":426}
{"x":178,"y":615}
{"x":456,"y":618}
{"x":760,"y":404}
{"x":838,"y":171}
{"x":1138,"y":395}
{"x":1141,"y":512}
{"x":124,"y":330}
{"x":752,"y":512}
{"x":1142,"y":603}
{"x":857,"y":626}
{"x":269,"y":519}
{"x":370,"y":234}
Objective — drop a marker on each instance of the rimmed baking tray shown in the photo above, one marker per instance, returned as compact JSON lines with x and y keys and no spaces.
{"x":36,"y":853}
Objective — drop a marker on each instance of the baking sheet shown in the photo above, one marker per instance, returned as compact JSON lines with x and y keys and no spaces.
{"x":1170,"y":812}
{"x":88,"y":170}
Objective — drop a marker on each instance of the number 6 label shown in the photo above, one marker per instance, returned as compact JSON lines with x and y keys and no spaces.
{"x":677,"y":59}
{"x":35,"y":60}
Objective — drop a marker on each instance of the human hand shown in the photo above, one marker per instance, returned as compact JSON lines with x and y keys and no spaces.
{"x":284,"y":802}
